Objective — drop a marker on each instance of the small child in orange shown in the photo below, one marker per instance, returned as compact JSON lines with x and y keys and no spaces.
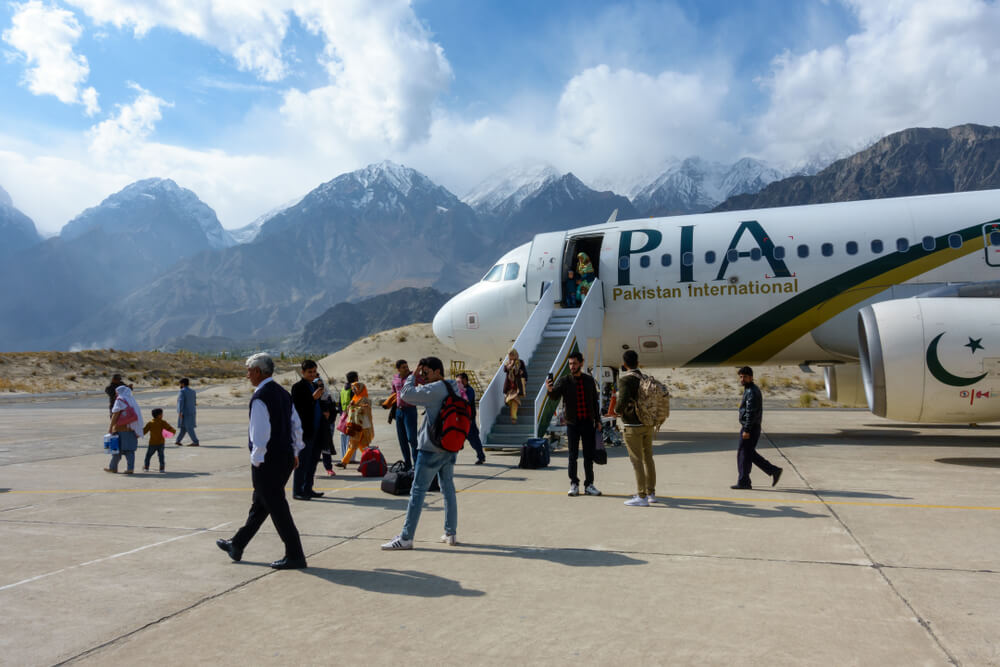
{"x":155,"y":429}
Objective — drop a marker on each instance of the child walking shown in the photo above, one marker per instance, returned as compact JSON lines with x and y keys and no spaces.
{"x":155,"y":429}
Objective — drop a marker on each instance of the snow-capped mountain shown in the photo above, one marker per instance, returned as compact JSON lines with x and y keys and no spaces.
{"x":157,"y":206}
{"x":17,"y":231}
{"x":501,"y":193}
{"x":248,"y":233}
{"x":696,"y":185}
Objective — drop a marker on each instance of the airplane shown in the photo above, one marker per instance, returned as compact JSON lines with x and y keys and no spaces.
{"x":897,"y":299}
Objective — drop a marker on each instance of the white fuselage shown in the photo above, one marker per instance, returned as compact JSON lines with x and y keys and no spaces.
{"x":761,"y":286}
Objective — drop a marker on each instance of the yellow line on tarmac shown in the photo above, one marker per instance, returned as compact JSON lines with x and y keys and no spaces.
{"x":537,"y":492}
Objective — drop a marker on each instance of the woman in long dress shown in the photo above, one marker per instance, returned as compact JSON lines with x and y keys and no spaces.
{"x":359,"y":420}
{"x":585,"y":271}
{"x":513,"y":386}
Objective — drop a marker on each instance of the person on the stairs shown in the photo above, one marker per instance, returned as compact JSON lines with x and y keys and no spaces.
{"x":513,"y":386}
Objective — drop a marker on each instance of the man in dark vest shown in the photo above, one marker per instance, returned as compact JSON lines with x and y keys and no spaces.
{"x":275,"y":443}
{"x":751,"y":415}
{"x":305,"y":397}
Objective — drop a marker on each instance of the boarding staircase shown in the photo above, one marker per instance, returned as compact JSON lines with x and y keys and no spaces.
{"x":544,"y":344}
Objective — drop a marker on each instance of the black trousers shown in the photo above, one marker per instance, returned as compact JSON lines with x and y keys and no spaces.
{"x":747,"y":455}
{"x":269,"y":500}
{"x":587,"y":433}
{"x":305,"y":474}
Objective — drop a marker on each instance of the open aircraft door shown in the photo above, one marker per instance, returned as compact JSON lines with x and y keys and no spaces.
{"x":545,"y":266}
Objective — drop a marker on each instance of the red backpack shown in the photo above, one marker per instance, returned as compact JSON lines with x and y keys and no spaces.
{"x":454,"y":419}
{"x":372,"y":463}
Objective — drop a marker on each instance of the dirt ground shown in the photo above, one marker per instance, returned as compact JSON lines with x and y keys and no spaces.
{"x":221,"y":381}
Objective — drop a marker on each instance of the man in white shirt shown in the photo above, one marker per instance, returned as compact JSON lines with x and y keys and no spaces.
{"x":275,"y":440}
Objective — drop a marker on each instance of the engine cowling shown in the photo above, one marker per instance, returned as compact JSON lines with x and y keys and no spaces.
{"x":845,"y":385}
{"x":933,"y":360}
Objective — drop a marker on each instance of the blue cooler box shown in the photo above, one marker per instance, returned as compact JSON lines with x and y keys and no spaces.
{"x":111,"y":443}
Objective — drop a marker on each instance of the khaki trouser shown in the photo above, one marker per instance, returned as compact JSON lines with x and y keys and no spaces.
{"x":639,"y":442}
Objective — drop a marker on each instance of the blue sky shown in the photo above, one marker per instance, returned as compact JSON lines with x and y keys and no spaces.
{"x":253,"y":105}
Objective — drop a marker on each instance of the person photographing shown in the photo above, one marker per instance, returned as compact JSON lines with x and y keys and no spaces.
{"x":578,"y":392}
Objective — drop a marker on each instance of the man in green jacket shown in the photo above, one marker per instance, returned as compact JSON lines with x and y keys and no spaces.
{"x":638,"y":436}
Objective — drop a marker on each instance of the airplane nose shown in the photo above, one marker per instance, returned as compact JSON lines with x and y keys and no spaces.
{"x":444,"y":327}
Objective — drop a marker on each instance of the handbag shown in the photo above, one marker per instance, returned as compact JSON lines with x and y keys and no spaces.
{"x":600,"y":453}
{"x":342,"y":423}
{"x":127,"y":416}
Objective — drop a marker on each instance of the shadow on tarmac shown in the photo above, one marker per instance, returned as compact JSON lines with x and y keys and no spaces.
{"x":395,"y":582}
{"x":838,"y":494}
{"x":737,"y":508}
{"x":570,"y":557}
{"x":982,"y":462}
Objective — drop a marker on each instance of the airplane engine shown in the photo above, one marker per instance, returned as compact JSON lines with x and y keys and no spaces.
{"x":933,"y":360}
{"x":844,"y":385}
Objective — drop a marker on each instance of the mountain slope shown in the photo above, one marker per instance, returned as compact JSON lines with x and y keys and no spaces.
{"x":17,"y":231}
{"x":695,"y":185}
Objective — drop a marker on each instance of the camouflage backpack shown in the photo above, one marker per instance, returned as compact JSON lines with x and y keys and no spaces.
{"x":653,"y":404}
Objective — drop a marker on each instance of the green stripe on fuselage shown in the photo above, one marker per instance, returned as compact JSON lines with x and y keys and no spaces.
{"x":765,"y":336}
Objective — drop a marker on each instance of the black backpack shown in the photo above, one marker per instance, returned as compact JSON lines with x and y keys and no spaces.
{"x":398,"y":481}
{"x":534,"y":453}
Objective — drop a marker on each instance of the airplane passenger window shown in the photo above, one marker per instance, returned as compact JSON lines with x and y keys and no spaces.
{"x":928,"y":243}
{"x":623,"y":263}
{"x":710,"y":257}
{"x":687,"y":259}
{"x":803,"y":251}
{"x":512,"y":271}
{"x":779,"y":252}
{"x":755,"y":254}
{"x":851,"y":247}
{"x":877,"y":246}
{"x":494,"y":274}
{"x":665,"y":259}
{"x":955,"y":241}
{"x":994,"y":238}
{"x":732,"y":255}
{"x":826,"y":249}
{"x":644,"y":261}
{"x":902,"y":245}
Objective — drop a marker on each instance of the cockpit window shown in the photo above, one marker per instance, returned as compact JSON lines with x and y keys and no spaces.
{"x":511,"y":272}
{"x":494,"y":274}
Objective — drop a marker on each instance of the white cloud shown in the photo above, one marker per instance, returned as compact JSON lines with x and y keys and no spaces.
{"x":251,"y":31}
{"x":125,"y":131}
{"x":913,"y":63}
{"x":46,"y":35}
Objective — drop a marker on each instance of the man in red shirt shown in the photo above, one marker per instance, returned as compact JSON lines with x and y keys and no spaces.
{"x":583,"y":420}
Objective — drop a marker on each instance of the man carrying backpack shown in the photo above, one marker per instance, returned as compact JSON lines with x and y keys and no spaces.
{"x":638,"y":436}
{"x":432,"y":458}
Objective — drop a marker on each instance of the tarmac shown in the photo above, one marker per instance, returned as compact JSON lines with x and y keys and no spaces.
{"x":879,"y":546}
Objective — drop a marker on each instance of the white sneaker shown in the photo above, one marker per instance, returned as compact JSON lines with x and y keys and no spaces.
{"x":591,"y":490}
{"x":397,"y":543}
{"x":574,"y":490}
{"x":650,"y":498}
{"x":450,"y":540}
{"x":637,"y":501}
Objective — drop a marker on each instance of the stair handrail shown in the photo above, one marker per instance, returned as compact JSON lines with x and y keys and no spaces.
{"x":491,"y":403}
{"x":588,"y":324}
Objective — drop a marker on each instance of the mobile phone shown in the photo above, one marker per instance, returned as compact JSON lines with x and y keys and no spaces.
{"x":550,"y":377}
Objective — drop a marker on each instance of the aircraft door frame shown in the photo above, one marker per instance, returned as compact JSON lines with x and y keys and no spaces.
{"x":544,"y":265}
{"x":992,"y":249}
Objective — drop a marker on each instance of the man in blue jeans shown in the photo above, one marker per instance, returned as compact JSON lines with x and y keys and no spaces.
{"x":406,"y":417}
{"x":432,"y":459}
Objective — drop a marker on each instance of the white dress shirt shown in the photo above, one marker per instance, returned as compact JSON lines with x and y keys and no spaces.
{"x":260,"y":429}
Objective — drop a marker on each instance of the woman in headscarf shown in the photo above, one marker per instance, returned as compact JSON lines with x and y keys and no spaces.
{"x":585,"y":271}
{"x":359,"y":419}
{"x":513,"y":385}
{"x":126,"y":422}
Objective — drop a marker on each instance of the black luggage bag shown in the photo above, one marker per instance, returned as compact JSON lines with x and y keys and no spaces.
{"x":398,"y":480}
{"x":534,"y":453}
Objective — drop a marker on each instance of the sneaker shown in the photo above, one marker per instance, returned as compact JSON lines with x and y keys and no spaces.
{"x":450,"y":540}
{"x":574,"y":490}
{"x":397,"y":544}
{"x":591,"y":490}
{"x":145,"y":469}
{"x":330,"y":473}
{"x":650,"y":498}
{"x":163,"y":470}
{"x":637,"y":501}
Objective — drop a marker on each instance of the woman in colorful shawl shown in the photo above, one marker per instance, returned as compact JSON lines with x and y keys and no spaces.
{"x":585,"y":271}
{"x":126,"y":421}
{"x":359,"y":419}
{"x":513,"y":385}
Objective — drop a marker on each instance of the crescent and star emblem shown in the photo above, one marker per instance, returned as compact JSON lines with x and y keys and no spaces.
{"x":941,"y":374}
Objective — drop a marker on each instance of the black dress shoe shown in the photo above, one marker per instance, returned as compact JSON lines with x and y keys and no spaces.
{"x":230,"y":548}
{"x":316,"y":494}
{"x":741,"y":486}
{"x":776,"y":476}
{"x":287,"y":563}
{"x":298,"y":497}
